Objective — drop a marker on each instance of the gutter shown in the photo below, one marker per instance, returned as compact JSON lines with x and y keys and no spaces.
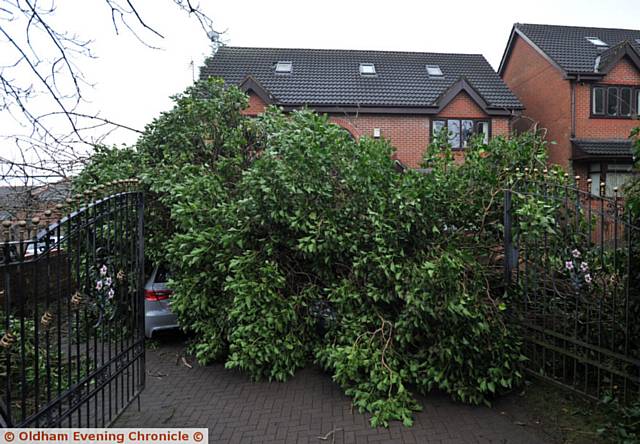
{"x":431,"y":110}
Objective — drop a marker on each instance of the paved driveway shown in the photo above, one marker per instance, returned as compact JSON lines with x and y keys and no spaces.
{"x":309,"y":408}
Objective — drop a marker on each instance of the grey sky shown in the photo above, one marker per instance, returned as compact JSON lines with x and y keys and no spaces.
{"x":133,"y":82}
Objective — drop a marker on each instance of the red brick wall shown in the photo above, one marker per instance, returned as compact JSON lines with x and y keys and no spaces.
{"x":256,"y":105}
{"x":462,"y":106}
{"x":409,"y":134}
{"x":545,"y":95}
{"x":500,"y":126}
{"x":624,"y":73}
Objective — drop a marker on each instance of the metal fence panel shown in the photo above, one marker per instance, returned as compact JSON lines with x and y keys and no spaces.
{"x":71,"y":307}
{"x":573,"y":276}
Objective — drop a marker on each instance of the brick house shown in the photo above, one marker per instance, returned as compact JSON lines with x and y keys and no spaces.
{"x":401,"y":96}
{"x":21,"y":202}
{"x":583,"y":86}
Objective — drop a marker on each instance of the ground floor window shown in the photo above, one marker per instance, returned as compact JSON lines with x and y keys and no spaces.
{"x":460,"y":131}
{"x":614,"y":175}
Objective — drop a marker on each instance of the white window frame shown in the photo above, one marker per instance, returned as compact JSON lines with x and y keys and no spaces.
{"x":284,"y":67}
{"x":597,"y":41}
{"x":368,"y":69}
{"x":434,"y":71}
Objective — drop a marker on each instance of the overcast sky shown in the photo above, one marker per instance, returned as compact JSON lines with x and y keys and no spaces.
{"x":133,"y":83}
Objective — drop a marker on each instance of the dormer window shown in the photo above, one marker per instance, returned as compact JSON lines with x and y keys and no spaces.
{"x":434,"y":71}
{"x":284,"y":67}
{"x":367,"y":69}
{"x":596,"y":41}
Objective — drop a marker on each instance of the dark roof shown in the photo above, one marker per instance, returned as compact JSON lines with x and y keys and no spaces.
{"x":20,"y":197}
{"x":567,"y":47}
{"x":620,"y":148}
{"x":331,"y":78}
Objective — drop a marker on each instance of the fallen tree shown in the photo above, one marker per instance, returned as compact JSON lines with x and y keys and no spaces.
{"x":291,"y":243}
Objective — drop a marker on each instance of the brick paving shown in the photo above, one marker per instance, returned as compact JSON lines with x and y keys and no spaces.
{"x":305,"y":409}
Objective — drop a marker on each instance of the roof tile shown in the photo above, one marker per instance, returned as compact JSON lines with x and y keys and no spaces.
{"x":331,"y":77}
{"x":569,"y":48}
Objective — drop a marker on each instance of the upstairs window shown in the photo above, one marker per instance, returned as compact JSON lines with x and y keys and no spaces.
{"x":460,"y":131}
{"x":284,"y":67}
{"x":612,"y":101}
{"x":626,"y":101}
{"x":596,"y":41}
{"x":615,"y":101}
{"x":434,"y":71}
{"x":367,"y":69}
{"x":598,"y":101}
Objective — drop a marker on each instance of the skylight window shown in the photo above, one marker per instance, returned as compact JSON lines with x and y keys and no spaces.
{"x":596,"y":41}
{"x":367,"y":69}
{"x":284,"y":67}
{"x":434,"y":71}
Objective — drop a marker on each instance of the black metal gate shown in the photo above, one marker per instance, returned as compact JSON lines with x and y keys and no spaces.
{"x":72,"y":312}
{"x":572,"y":264}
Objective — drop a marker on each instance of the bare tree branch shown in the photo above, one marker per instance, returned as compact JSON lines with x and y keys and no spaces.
{"x":42,"y":88}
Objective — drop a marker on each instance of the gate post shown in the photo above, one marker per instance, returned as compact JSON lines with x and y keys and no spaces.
{"x":140,"y":292}
{"x":5,"y":401}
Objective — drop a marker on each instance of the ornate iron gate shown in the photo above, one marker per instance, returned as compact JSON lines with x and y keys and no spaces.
{"x":72,"y":313}
{"x":572,"y":263}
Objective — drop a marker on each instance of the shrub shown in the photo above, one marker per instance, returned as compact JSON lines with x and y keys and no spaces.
{"x":108,"y":164}
{"x":292,"y":243}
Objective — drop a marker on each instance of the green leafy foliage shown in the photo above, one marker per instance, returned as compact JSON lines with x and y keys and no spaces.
{"x":632,"y":189}
{"x":33,"y":361}
{"x":291,"y":243}
{"x":624,"y":421}
{"x":108,"y":164}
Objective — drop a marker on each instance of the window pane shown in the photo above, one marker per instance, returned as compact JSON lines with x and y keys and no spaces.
{"x":612,"y":101}
{"x":594,"y":175}
{"x":625,"y":101}
{"x":616,"y":179}
{"x":598,"y":100}
{"x":595,"y":183}
{"x":467,"y":132}
{"x":437,"y":126}
{"x":284,"y":67}
{"x":454,"y":133}
{"x":483,"y":128}
{"x":367,"y":69}
{"x":596,"y":41}
{"x":434,"y":70}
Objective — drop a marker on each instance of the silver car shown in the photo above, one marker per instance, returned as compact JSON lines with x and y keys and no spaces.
{"x":157,"y":309}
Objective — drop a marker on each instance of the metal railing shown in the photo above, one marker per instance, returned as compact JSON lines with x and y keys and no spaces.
{"x":572,"y":268}
{"x":71,"y":307}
